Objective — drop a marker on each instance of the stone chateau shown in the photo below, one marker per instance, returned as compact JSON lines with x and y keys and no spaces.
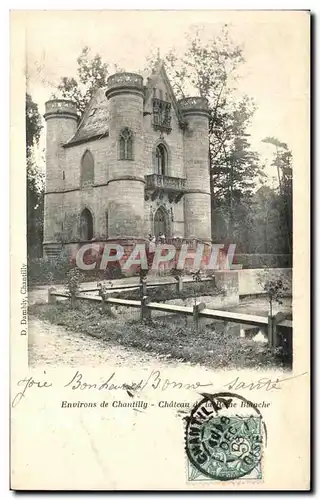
{"x":136,"y":163}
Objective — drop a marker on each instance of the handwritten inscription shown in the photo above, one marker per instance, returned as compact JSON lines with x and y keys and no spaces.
{"x":263,"y":383}
{"x":26,"y":384}
{"x":154,"y":381}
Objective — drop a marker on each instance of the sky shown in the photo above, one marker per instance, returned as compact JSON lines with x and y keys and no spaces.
{"x":275,"y":46}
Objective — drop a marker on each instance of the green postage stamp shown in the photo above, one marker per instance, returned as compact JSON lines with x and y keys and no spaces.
{"x":225,"y":435}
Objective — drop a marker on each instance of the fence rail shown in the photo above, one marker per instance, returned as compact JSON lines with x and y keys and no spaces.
{"x":151,"y":284}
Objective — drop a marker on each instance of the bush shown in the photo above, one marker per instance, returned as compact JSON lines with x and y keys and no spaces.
{"x":274,"y":288}
{"x":49,"y":271}
{"x":256,"y":261}
{"x":73,"y":281}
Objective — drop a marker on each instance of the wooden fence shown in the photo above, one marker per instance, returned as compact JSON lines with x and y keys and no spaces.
{"x":272,"y":324}
{"x":145,"y":284}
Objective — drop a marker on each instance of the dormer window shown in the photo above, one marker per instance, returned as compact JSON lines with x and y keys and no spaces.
{"x":125,"y":144}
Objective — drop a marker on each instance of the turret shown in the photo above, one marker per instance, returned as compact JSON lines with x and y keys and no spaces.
{"x":61,"y":121}
{"x":125,"y":159}
{"x":196,"y":147}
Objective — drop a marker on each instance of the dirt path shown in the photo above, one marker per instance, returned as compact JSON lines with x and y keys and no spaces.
{"x":54,"y":345}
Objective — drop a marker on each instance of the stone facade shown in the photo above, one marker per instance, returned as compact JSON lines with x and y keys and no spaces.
{"x":136,"y":163}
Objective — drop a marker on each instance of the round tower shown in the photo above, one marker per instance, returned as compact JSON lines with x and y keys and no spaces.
{"x":197,"y":200}
{"x":125,"y":159}
{"x":61,"y":124}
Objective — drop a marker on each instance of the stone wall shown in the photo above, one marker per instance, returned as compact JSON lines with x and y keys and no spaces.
{"x":62,"y":210}
{"x":248,"y":279}
{"x":197,"y":201}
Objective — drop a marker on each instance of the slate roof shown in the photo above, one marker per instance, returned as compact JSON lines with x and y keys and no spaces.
{"x":94,"y":123}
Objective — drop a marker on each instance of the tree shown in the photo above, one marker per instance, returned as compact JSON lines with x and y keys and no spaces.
{"x":33,"y":125}
{"x":35,"y":180}
{"x":274,"y":288}
{"x":211,"y":69}
{"x":282,"y":161}
{"x":92,"y":73}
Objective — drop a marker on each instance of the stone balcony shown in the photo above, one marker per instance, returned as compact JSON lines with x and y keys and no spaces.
{"x":156,"y":185}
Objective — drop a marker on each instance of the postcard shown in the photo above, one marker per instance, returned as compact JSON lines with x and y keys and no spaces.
{"x":160,"y":205}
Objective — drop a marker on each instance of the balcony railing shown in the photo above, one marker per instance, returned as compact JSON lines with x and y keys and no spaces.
{"x":157,"y":185}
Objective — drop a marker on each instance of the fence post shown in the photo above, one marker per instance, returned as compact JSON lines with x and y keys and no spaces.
{"x":145,"y":312}
{"x":143,"y":288}
{"x":196,"y":315}
{"x":106,"y":308}
{"x":226,"y":326}
{"x":52,"y":299}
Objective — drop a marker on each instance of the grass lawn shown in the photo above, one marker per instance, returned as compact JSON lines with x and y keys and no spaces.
{"x":173,"y":339}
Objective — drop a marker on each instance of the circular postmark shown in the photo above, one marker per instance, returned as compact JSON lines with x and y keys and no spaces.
{"x":224,"y":436}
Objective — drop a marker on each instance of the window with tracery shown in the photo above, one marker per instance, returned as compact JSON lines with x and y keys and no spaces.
{"x":126,"y":144}
{"x":161,"y":160}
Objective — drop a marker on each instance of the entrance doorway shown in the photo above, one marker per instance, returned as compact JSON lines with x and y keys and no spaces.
{"x":161,"y":224}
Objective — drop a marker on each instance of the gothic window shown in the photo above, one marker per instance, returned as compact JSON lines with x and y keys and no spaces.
{"x":86,"y":225}
{"x":87,"y":169}
{"x":126,"y":149}
{"x":161,"y":160}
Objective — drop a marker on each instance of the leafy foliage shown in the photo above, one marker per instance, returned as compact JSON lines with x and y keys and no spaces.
{"x":33,"y":124}
{"x":35,"y":180}
{"x":176,"y":273}
{"x":274,"y":288}
{"x":92,"y":73}
{"x":282,"y":162}
{"x":73,"y":281}
{"x":211,"y":68}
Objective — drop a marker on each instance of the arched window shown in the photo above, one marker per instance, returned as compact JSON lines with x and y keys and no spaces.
{"x":161,"y":160}
{"x":87,"y":169}
{"x":126,"y":149}
{"x":86,"y":225}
